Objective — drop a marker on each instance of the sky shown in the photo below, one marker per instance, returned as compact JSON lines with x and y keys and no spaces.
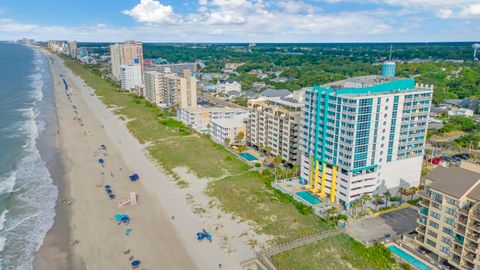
{"x":242,"y":20}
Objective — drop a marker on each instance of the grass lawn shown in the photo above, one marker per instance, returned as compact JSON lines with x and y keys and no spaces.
{"x":336,"y":253}
{"x":173,"y":145}
{"x":251,"y":198}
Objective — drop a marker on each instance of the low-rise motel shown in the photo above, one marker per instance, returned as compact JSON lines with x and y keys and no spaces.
{"x":363,"y":135}
{"x":449,"y":223}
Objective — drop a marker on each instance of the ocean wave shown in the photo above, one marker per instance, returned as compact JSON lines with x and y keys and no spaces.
{"x":31,"y":213}
{"x":32,"y":206}
{"x":3,"y":217}
{"x":8,"y":183}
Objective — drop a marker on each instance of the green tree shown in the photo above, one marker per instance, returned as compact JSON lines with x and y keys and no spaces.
{"x":240,"y":136}
{"x":387,"y":197}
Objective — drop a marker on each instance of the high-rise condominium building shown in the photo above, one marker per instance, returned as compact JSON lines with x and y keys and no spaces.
{"x":72,"y":49}
{"x":449,"y":223}
{"x":130,"y":76}
{"x":128,"y":53}
{"x":363,"y":135}
{"x":274,"y":125}
{"x":170,"y":90}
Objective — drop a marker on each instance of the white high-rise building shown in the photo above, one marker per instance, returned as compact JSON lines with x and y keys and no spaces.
{"x":130,"y":76}
{"x":128,"y":53}
{"x":363,"y":135}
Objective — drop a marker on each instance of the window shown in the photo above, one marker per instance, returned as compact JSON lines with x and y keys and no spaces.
{"x":450,"y":200}
{"x":449,"y":221}
{"x":433,"y":224}
{"x":431,"y":243}
{"x":447,"y":230}
{"x":435,"y":215}
{"x":451,"y":211}
{"x":445,"y":250}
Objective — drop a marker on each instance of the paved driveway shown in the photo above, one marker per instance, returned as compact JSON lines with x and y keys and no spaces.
{"x":373,"y":229}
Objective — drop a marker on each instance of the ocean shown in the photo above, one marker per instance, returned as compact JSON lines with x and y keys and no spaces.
{"x":27,"y":192}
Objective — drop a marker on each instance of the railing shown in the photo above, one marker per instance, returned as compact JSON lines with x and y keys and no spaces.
{"x":264,"y":257}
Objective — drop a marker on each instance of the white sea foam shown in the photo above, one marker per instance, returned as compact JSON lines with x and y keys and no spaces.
{"x":3,"y":217}
{"x":8,"y":183}
{"x":32,"y":207}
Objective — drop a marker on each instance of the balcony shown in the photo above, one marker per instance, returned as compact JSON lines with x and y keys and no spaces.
{"x":470,"y":256}
{"x":462,"y":220}
{"x":476,"y":215}
{"x":455,"y":261}
{"x":475,"y":225}
{"x":474,"y":236}
{"x":472,"y":247}
{"x":424,"y":202}
{"x":457,"y":250}
{"x":460,"y":230}
{"x":420,"y":238}
{"x":422,"y":221}
{"x":423,"y":211}
{"x":420,"y":229}
{"x":424,"y":194}
{"x":459,"y":239}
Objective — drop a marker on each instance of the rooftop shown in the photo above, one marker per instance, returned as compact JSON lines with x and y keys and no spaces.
{"x":236,"y":121}
{"x":373,"y":84}
{"x":213,"y":109}
{"x":454,"y":181}
{"x":275,"y":93}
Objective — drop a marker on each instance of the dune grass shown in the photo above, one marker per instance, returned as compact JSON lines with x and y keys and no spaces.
{"x":251,"y":197}
{"x":336,"y":253}
{"x":171,"y":143}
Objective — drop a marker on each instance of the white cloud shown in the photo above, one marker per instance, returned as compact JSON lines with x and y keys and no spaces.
{"x":152,"y":11}
{"x":444,"y":9}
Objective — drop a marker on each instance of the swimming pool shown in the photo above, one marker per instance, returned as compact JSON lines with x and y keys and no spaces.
{"x":409,"y":258}
{"x":307,"y":196}
{"x":248,"y":156}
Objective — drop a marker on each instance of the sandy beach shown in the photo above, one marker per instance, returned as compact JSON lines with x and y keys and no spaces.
{"x":95,"y":240}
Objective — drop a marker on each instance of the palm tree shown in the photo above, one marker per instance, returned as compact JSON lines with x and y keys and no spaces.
{"x":355,"y":205}
{"x":377,"y":198}
{"x":387,"y":197}
{"x":276,"y":161}
{"x":412,"y":190}
{"x":364,"y":200}
{"x":402,"y":191}
{"x":269,"y":151}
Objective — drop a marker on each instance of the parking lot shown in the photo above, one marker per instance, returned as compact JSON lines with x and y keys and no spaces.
{"x":373,"y":229}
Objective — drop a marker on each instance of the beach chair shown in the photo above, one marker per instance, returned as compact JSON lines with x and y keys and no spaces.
{"x":132,"y":200}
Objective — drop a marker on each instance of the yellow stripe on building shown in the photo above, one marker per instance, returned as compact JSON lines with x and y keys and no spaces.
{"x":334,"y":183}
{"x":324,"y":176}
{"x":317,"y":167}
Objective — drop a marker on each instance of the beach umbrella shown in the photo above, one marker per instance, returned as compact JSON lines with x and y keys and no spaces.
{"x":135,"y":263}
{"x":119,"y":217}
{"x":108,"y":186}
{"x":109,"y":191}
{"x":101,"y":161}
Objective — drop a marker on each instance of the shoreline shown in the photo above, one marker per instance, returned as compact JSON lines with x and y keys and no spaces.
{"x":99,"y":242}
{"x":55,"y":251}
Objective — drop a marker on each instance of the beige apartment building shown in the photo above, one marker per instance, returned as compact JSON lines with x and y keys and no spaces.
{"x":225,"y":130}
{"x":200,"y":118}
{"x":274,"y":125}
{"x":168,"y":89}
{"x":449,"y":223}
{"x":128,"y":53}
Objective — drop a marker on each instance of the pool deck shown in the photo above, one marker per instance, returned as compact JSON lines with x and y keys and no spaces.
{"x":411,"y":254}
{"x":292,"y":187}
